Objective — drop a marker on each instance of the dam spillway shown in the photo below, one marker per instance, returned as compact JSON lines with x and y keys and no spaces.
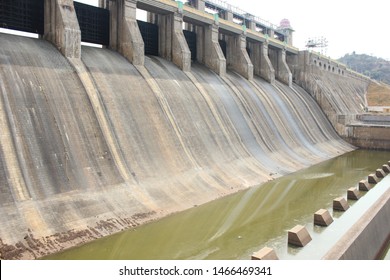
{"x":94,"y":146}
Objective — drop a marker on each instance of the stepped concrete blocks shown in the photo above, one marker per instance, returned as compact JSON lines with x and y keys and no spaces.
{"x":353,"y":194}
{"x":340,"y":204}
{"x":373,"y":179}
{"x":322,"y":218}
{"x":265,"y":254}
{"x":380,"y":173}
{"x":386,"y":168}
{"x":298,"y":236}
{"x":364,"y":186}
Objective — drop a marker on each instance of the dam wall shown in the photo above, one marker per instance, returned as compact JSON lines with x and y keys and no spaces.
{"x":340,"y":92}
{"x":98,"y":140}
{"x":95,"y":145}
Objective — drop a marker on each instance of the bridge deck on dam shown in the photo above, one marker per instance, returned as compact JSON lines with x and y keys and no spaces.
{"x":94,"y":145}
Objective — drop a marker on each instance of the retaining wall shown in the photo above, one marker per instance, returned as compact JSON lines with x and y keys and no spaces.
{"x":368,"y":236}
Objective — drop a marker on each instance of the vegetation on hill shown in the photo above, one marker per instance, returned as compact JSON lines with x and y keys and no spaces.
{"x":371,"y":66}
{"x":378,"y":94}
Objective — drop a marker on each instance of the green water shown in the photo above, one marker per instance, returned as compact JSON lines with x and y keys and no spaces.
{"x":387,"y":253}
{"x":237,"y":225}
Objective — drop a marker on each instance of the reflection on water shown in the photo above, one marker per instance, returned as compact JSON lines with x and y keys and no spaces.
{"x":316,"y":176}
{"x":236,"y":226}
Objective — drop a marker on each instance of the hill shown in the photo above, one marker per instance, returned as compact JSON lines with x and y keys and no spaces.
{"x":374,"y":67}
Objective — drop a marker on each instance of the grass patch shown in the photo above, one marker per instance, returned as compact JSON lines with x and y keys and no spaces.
{"x":378,"y":94}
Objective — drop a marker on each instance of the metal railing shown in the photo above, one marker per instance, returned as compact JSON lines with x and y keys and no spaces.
{"x":235,"y":10}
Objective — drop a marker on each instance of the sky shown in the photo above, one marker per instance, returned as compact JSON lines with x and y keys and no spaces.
{"x":347,"y":26}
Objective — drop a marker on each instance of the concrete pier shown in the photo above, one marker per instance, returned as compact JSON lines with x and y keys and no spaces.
{"x":172,"y":43}
{"x":284,"y":73}
{"x":199,"y":4}
{"x":278,"y":60}
{"x":62,"y":28}
{"x":262,"y":65}
{"x":213,"y":55}
{"x":237,"y":56}
{"x":125,"y":36}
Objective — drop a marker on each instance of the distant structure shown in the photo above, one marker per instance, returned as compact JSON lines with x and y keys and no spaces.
{"x":287,"y":30}
{"x":320,"y":43}
{"x":285,"y":24}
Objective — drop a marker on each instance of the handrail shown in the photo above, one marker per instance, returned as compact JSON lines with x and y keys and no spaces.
{"x":226,"y":6}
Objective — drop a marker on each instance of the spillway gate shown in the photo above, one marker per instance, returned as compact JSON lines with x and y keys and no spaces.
{"x":22,"y":15}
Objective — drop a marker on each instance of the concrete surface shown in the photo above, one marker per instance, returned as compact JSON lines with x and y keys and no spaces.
{"x":340,"y":204}
{"x":365,"y":239}
{"x":340,"y":92}
{"x":265,"y":254}
{"x":93,"y":146}
{"x":322,"y":218}
{"x":62,"y":27}
{"x":299,"y":236}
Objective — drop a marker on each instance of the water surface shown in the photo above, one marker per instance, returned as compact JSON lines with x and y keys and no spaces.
{"x":235,"y":226}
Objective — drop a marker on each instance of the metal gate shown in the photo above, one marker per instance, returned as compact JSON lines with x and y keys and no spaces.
{"x":223,"y":45}
{"x":191,"y":41}
{"x":249,"y":51}
{"x":149,"y":32}
{"x":22,"y":15}
{"x":94,"y":23}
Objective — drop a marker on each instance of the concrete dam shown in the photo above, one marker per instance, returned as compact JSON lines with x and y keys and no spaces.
{"x":97,"y":140}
